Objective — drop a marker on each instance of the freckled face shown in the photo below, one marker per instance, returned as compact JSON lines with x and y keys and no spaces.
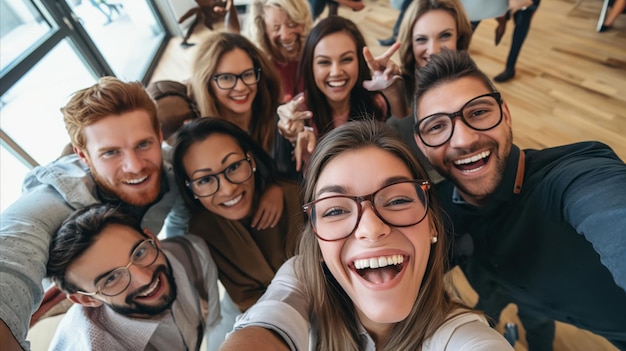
{"x":434,"y":30}
{"x":238,"y":100}
{"x":335,"y":66}
{"x":383,"y":295}
{"x":213,"y":155}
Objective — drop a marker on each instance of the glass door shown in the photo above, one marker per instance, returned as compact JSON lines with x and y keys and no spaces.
{"x":128,"y":34}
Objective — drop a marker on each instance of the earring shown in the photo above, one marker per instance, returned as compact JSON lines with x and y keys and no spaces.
{"x":195,"y":197}
{"x":433,"y":239}
{"x":253,"y":169}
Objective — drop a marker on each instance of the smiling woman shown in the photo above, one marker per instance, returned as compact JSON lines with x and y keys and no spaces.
{"x":370,"y":265}
{"x":223,"y":175}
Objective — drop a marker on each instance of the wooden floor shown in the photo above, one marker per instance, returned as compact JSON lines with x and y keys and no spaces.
{"x":570,"y":86}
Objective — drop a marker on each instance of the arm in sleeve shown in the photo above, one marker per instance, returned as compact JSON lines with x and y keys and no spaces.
{"x":476,"y":336}
{"x":26,"y":228}
{"x":283,"y":309}
{"x":594,"y":203}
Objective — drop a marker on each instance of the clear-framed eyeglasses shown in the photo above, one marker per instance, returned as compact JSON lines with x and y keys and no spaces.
{"x":481,"y":113}
{"x":236,"y":173}
{"x":227,"y":81}
{"x":399,"y":204}
{"x":118,"y":280}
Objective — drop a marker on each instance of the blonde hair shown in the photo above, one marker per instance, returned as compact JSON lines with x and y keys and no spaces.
{"x":413,"y":13}
{"x":335,"y":312}
{"x":208,"y":56}
{"x":109,"y":96}
{"x":297,"y":10}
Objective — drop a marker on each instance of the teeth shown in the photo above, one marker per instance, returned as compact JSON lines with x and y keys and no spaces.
{"x":136,"y":181}
{"x":378,"y":262}
{"x":289,"y":46}
{"x":233,"y":201}
{"x":336,"y":84}
{"x":475,"y":158}
{"x":238,"y":98}
{"x":150,"y":289}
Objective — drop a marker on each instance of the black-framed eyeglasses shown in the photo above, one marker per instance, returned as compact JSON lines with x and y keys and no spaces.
{"x":399,"y":204}
{"x":229,"y":80}
{"x":118,"y":280}
{"x":481,"y":113}
{"x":236,"y":173}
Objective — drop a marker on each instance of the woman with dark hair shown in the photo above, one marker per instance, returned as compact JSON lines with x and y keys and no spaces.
{"x":222,"y":173}
{"x":333,"y":70}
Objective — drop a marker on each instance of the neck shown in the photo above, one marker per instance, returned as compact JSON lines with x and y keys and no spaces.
{"x":340,"y":107}
{"x":242,"y":120}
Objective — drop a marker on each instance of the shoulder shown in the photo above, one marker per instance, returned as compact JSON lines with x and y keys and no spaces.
{"x":466,"y":331}
{"x":68,"y":176}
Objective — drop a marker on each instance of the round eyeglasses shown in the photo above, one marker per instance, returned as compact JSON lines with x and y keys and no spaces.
{"x":227,"y":81}
{"x":399,"y":204}
{"x":481,"y":113}
{"x":236,"y":173}
{"x":118,"y":280}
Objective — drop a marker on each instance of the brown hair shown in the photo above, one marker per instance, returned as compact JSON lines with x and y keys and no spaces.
{"x":333,"y":308}
{"x":110,"y":96}
{"x":413,"y":13}
{"x":263,"y":123}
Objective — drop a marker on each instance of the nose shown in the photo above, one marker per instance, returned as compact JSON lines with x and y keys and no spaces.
{"x":132,"y":163}
{"x":370,"y":226}
{"x":286,"y":34}
{"x":335,"y":69}
{"x":462,"y":134}
{"x":433,"y":47}
{"x":140,"y":276}
{"x":239,"y":84}
{"x":226,"y":187}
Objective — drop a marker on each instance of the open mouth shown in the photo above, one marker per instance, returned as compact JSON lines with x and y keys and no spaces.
{"x":378,"y":270}
{"x":289,"y":46}
{"x":152,"y":290}
{"x":136,"y":180}
{"x":233,"y":202}
{"x":337,"y":83}
{"x":473,"y":163}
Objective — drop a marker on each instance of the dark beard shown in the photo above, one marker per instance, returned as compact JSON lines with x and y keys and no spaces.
{"x":133,"y":308}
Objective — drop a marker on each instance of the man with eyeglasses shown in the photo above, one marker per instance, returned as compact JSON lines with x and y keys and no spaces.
{"x":131,"y":291}
{"x":543,"y":229}
{"x":117,"y":159}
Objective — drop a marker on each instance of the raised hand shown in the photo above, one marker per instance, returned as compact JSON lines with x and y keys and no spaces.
{"x":291,"y":116}
{"x":385,"y":71}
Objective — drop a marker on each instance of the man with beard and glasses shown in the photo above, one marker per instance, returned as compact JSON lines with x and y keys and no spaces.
{"x":116,"y":138}
{"x":543,"y":229}
{"x":131,"y":291}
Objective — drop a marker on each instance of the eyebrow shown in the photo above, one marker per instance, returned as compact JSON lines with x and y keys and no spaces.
{"x":210,"y":169}
{"x":132,"y":249}
{"x":349,"y":52}
{"x":342,"y":190}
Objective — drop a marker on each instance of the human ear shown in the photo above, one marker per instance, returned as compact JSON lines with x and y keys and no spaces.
{"x":151,"y":235}
{"x":506,"y":114}
{"x":85,"y":300}
{"x":82,"y":155}
{"x":252,"y":162}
